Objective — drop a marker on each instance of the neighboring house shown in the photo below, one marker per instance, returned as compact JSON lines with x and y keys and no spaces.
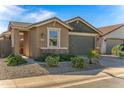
{"x":112,"y":35}
{"x":74,"y":36}
{"x":5,"y":43}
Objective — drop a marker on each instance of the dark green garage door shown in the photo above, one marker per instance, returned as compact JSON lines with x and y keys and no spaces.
{"x":80,"y":45}
{"x":110,"y":43}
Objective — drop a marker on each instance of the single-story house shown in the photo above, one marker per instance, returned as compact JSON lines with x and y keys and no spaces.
{"x":5,"y":44}
{"x":73,"y":36}
{"x":111,"y":36}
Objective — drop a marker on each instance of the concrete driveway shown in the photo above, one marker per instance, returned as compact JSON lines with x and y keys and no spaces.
{"x":111,"y":61}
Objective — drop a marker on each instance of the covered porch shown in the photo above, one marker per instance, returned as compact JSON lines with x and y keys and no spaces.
{"x":20,"y":42}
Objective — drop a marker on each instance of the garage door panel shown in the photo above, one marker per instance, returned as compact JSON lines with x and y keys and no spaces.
{"x":80,"y":45}
{"x":110,"y":43}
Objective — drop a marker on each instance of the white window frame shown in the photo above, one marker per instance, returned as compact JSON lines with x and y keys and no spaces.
{"x":51,"y":29}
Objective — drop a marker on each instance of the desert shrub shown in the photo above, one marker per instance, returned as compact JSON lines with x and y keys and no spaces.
{"x":77,"y":62}
{"x":62,"y":57}
{"x":42,"y":57}
{"x":65,"y":57}
{"x":14,"y":60}
{"x":52,"y":61}
{"x":121,"y":54}
{"x":8,"y":57}
{"x":116,"y":50}
{"x":92,"y":54}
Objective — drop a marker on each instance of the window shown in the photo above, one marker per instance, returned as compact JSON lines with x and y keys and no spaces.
{"x":53,"y":38}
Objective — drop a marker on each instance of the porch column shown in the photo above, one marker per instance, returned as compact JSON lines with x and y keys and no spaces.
{"x":16,"y":41}
{"x":95,"y":42}
{"x":103,"y":46}
{"x":26,"y":43}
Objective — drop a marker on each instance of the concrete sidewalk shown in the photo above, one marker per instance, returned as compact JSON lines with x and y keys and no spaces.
{"x":64,"y":80}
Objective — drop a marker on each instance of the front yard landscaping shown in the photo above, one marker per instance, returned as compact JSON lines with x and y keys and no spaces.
{"x":16,"y":66}
{"x":25,"y":70}
{"x":118,"y":50}
{"x":14,"y":60}
{"x":62,"y":57}
{"x":65,"y":67}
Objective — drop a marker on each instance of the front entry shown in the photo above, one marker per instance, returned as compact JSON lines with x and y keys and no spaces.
{"x":24,"y":43}
{"x":21,"y":44}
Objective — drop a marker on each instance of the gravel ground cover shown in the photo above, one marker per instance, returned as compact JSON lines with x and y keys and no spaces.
{"x":39,"y":68}
{"x":27,"y":70}
{"x":65,"y":67}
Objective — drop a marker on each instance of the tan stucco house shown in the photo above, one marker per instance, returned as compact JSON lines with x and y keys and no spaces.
{"x":111,"y":36}
{"x":73,"y":36}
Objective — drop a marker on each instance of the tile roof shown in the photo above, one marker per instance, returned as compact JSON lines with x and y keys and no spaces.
{"x":22,"y":24}
{"x":107,"y":29}
{"x":50,"y":19}
{"x":5,"y":33}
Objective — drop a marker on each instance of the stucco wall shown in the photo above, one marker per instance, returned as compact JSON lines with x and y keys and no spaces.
{"x":36,"y":43}
{"x":5,"y":47}
{"x":33,"y":43}
{"x":63,"y":34}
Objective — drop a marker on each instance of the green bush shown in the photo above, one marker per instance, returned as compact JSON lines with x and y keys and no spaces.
{"x":65,"y":57}
{"x":52,"y":61}
{"x":92,"y":54}
{"x":121,"y":54}
{"x":77,"y":62}
{"x":116,"y":50}
{"x":62,"y":57}
{"x":42,"y":57}
{"x":14,"y":60}
{"x":10,"y":56}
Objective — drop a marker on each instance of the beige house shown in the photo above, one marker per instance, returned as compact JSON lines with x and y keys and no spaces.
{"x":73,"y":36}
{"x":111,"y":36}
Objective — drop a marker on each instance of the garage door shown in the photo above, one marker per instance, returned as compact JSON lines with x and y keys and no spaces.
{"x":80,"y":45}
{"x":110,"y":43}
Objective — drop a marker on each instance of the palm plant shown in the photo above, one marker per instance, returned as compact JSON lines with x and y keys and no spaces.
{"x":92,"y":54}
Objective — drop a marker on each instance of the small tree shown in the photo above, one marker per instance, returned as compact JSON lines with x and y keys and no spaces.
{"x":92,"y":54}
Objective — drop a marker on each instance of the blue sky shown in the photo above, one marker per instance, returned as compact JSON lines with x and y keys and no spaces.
{"x":96,"y":15}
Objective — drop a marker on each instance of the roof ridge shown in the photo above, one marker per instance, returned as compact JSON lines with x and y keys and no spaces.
{"x":72,"y":18}
{"x":86,"y":22}
{"x":21,"y":22}
{"x":111,"y":25}
{"x":110,"y":28}
{"x":44,"y":20}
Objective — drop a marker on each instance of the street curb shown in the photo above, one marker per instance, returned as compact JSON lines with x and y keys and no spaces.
{"x":88,"y":81}
{"x":62,"y":83}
